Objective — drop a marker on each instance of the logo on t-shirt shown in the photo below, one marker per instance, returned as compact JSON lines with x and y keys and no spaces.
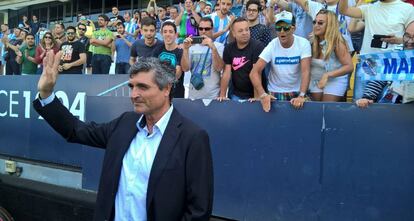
{"x":67,"y":52}
{"x":239,"y":62}
{"x":287,"y":60}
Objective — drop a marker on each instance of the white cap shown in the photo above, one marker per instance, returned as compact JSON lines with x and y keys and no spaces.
{"x":284,"y":16}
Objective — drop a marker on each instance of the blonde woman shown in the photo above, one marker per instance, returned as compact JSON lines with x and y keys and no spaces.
{"x":47,"y":43}
{"x":331,"y":61}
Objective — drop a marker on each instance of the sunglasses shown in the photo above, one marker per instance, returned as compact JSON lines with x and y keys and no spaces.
{"x":70,"y":33}
{"x":204,"y":29}
{"x":82,"y":29}
{"x":47,"y":37}
{"x":284,"y":28}
{"x":318,"y":22}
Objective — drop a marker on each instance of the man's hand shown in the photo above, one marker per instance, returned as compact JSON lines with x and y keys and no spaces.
{"x":363,"y":102}
{"x":265,"y":100}
{"x":297,"y":102}
{"x":49,"y":75}
{"x":207,"y":42}
{"x":222,"y":98}
{"x":392,"y":39}
{"x":187,"y":43}
{"x":66,"y":66}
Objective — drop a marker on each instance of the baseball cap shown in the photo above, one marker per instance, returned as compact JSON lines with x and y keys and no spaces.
{"x":284,"y":16}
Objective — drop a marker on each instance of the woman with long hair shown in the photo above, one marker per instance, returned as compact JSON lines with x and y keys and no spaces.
{"x":47,"y":43}
{"x":331,"y":61}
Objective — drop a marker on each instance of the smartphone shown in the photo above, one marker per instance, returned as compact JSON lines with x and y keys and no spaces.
{"x":381,"y":36}
{"x":197,"y":39}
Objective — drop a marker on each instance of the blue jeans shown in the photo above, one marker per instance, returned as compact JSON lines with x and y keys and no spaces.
{"x":122,"y":68}
{"x":101,"y":64}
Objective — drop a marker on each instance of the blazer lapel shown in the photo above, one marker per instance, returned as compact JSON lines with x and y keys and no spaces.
{"x":168,"y":141}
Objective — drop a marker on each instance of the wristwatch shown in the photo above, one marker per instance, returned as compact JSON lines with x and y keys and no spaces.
{"x":302,"y":94}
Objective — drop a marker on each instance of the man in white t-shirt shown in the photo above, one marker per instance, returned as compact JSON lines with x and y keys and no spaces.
{"x":204,"y":60}
{"x":386,"y":17}
{"x":290,"y":56}
{"x":313,"y":7}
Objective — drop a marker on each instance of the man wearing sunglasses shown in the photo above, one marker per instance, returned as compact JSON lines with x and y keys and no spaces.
{"x":82,"y":28}
{"x":290,"y":57}
{"x":204,"y":60}
{"x":73,"y":54}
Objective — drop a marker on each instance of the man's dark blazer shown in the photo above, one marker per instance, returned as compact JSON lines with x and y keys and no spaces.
{"x":180,"y":186}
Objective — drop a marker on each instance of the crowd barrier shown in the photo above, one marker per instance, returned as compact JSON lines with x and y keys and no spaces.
{"x":327,"y":161}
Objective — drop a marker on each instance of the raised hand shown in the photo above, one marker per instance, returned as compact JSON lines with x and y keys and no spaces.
{"x":49,"y":75}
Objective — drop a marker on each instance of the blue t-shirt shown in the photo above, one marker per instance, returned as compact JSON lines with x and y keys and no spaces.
{"x":122,"y":49}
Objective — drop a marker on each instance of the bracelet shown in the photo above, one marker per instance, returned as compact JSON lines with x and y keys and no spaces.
{"x":263,"y":95}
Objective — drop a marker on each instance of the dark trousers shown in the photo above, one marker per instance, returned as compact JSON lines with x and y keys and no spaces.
{"x":13,"y":68}
{"x":122,"y":68}
{"x":101,"y":64}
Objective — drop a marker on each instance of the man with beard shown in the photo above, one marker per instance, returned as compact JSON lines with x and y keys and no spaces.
{"x":82,"y":28}
{"x":374,"y":89}
{"x":169,"y":53}
{"x":73,"y":54}
{"x":239,"y":58}
{"x":122,"y":46}
{"x":145,"y":47}
{"x":59,"y":33}
{"x":26,"y":56}
{"x":102,"y":40}
{"x":290,"y":58}
{"x":257,"y":31}
{"x":114,"y":19}
{"x":222,"y":21}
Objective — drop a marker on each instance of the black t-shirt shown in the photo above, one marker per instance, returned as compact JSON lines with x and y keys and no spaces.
{"x":85,"y":41}
{"x":71,"y":51}
{"x":241,"y":61}
{"x":114,"y":19}
{"x":172,"y":58}
{"x":140,"y":49}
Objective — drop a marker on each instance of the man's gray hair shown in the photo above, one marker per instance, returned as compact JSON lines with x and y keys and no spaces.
{"x":164,"y":74}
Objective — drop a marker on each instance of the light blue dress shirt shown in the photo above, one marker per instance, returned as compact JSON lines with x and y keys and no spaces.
{"x":130,"y":201}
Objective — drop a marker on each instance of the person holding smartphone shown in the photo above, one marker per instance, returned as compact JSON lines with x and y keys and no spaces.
{"x":122,"y":45}
{"x":205,"y":60}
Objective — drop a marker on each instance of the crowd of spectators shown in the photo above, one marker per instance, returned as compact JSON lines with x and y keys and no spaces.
{"x":289,"y":50}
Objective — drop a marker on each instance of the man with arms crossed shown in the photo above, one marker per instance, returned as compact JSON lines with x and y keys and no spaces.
{"x":157,"y":164}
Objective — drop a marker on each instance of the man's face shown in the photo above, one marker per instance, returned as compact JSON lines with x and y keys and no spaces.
{"x":263,"y":4}
{"x":34,"y":18}
{"x":284,"y":32}
{"x":4,"y":28}
{"x":59,"y":29}
{"x":136,"y":15}
{"x":205,"y":28}
{"x":30,"y":40}
{"x":217,"y":8}
{"x":127,"y":17}
{"x":22,"y":35}
{"x":408,"y":37}
{"x":148,"y":32}
{"x":188,"y":4}
{"x":173,"y":13}
{"x":71,"y":35}
{"x":16,"y":32}
{"x":146,"y":96}
{"x":81,"y":30}
{"x":241,"y":32}
{"x":252,"y":12}
{"x":120,"y":29}
{"x":144,"y":14}
{"x":102,"y":22}
{"x":169,"y":34}
{"x":161,"y":12}
{"x":115,"y":11}
{"x":207,"y":10}
{"x":225,"y":6}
